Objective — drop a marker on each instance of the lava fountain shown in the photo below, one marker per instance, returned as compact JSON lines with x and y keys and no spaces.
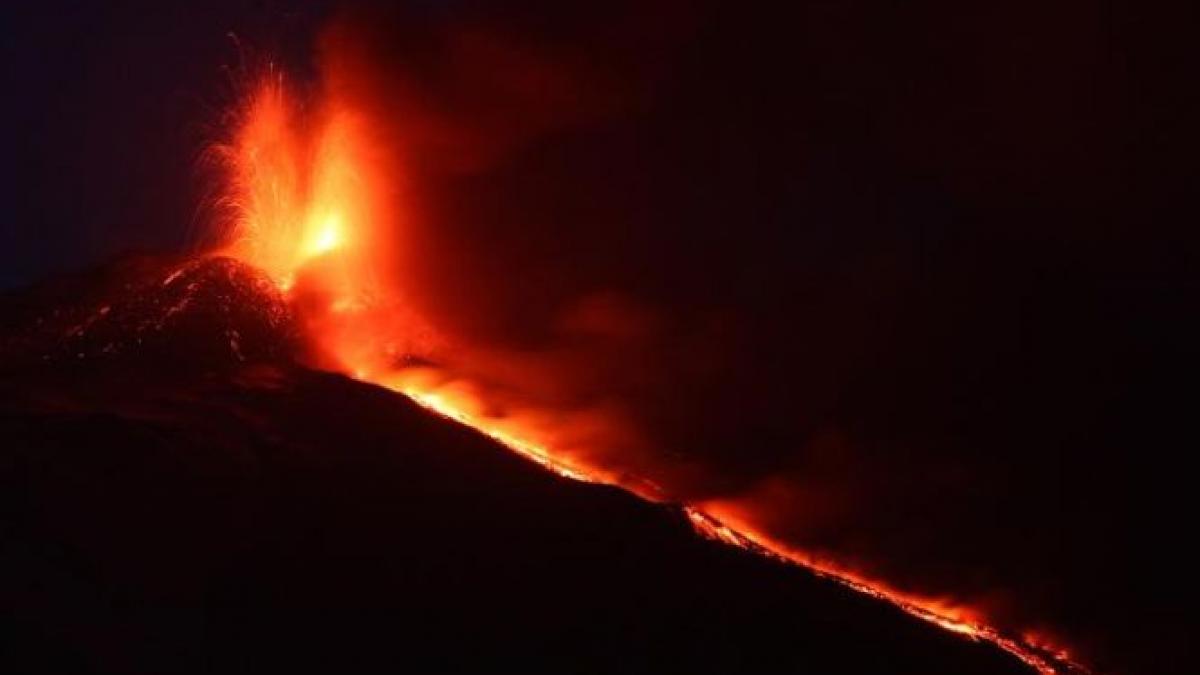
{"x":309,"y":198}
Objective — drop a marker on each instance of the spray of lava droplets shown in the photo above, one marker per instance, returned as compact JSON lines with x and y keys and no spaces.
{"x":306,"y":199}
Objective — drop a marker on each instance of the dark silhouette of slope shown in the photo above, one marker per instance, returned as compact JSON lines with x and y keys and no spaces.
{"x":210,"y":512}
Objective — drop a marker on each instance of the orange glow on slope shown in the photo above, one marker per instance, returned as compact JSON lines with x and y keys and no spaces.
{"x":460,"y":406}
{"x":1035,"y":651}
{"x":306,"y":203}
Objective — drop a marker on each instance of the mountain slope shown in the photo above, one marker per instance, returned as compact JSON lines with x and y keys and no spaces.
{"x":176,"y":495}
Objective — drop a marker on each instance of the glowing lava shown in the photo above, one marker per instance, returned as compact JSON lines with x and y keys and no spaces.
{"x":298,"y":190}
{"x":307,"y":202}
{"x":458,"y":411}
{"x":1031,"y":649}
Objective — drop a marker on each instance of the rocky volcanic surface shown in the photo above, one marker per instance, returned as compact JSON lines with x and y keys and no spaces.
{"x":177,"y":496}
{"x":196,"y":314}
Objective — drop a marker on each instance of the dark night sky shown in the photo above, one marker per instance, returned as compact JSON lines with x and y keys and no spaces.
{"x":107,"y":108}
{"x":949,"y":241}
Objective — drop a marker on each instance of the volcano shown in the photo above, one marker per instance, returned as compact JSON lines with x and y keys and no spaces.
{"x":636,"y":336}
{"x":180,"y":495}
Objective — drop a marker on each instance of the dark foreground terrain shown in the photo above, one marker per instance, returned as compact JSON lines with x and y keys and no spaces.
{"x":289,"y":521}
{"x":176,"y":501}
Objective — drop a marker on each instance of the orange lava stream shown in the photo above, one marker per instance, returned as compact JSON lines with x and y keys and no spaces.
{"x":440,"y":405}
{"x":1030,"y":649}
{"x":303,"y":199}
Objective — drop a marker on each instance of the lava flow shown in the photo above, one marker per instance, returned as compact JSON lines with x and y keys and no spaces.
{"x":309,"y":201}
